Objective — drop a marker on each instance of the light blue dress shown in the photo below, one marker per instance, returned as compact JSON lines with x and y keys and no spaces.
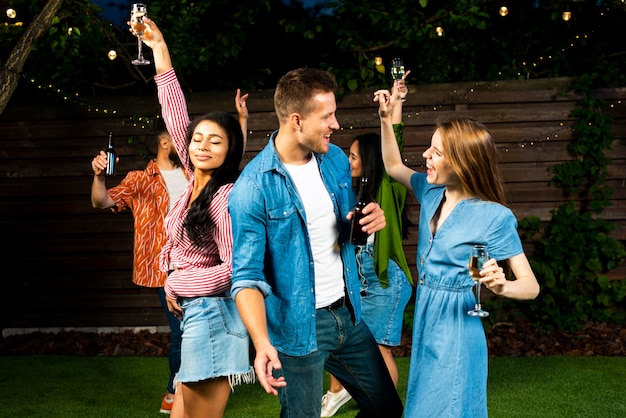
{"x":448,"y":369}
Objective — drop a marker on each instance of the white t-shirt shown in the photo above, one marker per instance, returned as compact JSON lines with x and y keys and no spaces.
{"x":323,"y":233}
{"x":175,"y":182}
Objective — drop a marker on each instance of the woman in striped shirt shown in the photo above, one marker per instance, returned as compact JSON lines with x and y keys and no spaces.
{"x":198,"y":252}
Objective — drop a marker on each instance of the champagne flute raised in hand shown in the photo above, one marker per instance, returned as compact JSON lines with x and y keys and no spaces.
{"x":478,"y":257}
{"x":397,"y":68}
{"x":137,"y":13}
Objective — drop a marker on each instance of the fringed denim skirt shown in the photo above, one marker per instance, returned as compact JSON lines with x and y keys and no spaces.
{"x":215,"y":342}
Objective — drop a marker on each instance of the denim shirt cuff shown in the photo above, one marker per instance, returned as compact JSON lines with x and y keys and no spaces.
{"x":239,"y":285}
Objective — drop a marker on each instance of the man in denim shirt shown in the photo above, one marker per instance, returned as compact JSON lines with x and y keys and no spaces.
{"x":295,"y":277}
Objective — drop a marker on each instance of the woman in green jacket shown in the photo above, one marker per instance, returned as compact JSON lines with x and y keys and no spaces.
{"x":386,"y":283}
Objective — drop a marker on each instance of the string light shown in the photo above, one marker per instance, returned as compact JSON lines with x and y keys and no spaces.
{"x":570,"y":45}
{"x":141,"y":122}
{"x":12,"y":14}
{"x":525,"y":143}
{"x":75,"y":98}
{"x":378,"y":64}
{"x":455,"y":97}
{"x":567,"y":14}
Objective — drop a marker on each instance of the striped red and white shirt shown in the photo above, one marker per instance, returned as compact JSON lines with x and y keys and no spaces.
{"x":205,"y":269}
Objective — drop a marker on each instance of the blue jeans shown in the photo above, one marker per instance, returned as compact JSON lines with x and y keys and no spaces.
{"x":351,"y":354}
{"x":175,"y":340}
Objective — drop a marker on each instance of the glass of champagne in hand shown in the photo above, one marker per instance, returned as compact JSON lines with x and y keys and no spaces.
{"x":137,"y":12}
{"x":397,"y":68}
{"x":478,"y":257}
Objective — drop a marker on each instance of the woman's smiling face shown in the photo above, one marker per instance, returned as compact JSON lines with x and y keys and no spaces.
{"x":439,"y":170}
{"x":355,"y":159}
{"x":208,"y":146}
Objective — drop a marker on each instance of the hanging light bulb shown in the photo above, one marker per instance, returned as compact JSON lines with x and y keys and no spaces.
{"x":112,"y":54}
{"x":504,"y":10}
{"x":378,"y":64}
{"x":11,"y":13}
{"x":439,"y":31}
{"x":567,"y":15}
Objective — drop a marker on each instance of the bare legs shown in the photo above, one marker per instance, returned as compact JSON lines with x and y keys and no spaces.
{"x":178,"y":410}
{"x":207,"y":398}
{"x":390,"y":362}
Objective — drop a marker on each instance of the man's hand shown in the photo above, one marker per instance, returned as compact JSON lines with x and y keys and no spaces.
{"x":99,"y":163}
{"x":241,"y":105}
{"x":265,"y":363}
{"x":374,"y":219}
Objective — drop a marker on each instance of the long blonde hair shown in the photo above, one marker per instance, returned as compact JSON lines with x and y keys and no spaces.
{"x":471,"y":152}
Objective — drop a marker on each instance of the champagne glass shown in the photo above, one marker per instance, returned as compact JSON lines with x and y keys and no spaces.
{"x":137,"y":13}
{"x":397,"y":68}
{"x":478,"y":257}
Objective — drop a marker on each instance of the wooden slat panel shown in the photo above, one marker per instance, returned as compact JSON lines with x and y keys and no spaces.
{"x":71,"y":264}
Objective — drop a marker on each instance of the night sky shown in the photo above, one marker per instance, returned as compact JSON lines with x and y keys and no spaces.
{"x":117,"y":11}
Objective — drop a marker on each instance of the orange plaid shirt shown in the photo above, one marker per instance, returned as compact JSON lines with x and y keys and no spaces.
{"x":145,"y":194}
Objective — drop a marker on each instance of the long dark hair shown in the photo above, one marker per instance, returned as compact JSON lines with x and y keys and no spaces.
{"x":198,"y":220}
{"x":372,"y":167}
{"x":371,"y":163}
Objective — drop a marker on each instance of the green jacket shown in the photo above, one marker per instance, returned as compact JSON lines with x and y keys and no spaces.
{"x":391,"y":197}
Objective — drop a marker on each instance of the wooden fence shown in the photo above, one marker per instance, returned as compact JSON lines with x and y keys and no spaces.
{"x":69,"y":265}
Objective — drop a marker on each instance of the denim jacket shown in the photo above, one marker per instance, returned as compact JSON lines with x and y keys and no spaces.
{"x":271,"y":247}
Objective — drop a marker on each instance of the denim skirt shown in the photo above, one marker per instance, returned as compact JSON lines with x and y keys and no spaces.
{"x":215,"y":342}
{"x":382,"y":308}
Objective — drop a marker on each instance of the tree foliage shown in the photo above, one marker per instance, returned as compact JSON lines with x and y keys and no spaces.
{"x":14,"y":64}
{"x":218,"y":44}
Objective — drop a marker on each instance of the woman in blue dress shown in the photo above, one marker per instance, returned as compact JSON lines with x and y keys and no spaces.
{"x":462,"y":203}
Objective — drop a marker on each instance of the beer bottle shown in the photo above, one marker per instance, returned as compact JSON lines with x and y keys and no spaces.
{"x":110,"y":151}
{"x":357,"y":236}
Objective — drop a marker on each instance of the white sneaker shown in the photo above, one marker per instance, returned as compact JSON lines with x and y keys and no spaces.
{"x":331,"y":402}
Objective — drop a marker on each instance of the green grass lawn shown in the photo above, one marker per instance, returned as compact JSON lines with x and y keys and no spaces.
{"x":127,"y":387}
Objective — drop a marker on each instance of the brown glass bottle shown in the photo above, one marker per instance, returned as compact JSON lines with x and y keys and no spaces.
{"x":357,"y":236}
{"x":110,"y":151}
